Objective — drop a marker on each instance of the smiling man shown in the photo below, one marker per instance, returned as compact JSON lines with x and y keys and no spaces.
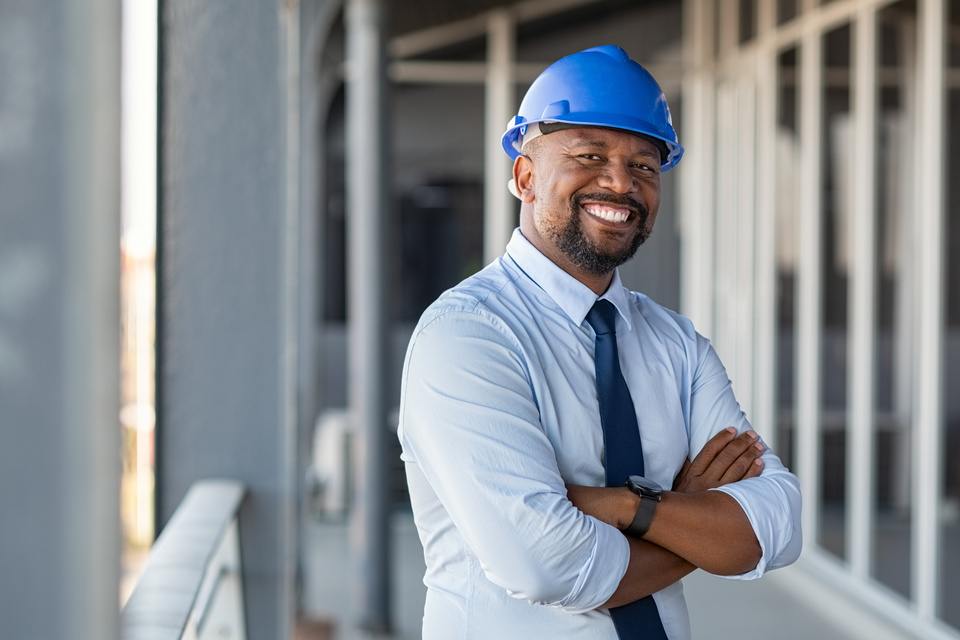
{"x":572,"y":448}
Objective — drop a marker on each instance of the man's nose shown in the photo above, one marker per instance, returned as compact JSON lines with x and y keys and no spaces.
{"x":618,"y":178}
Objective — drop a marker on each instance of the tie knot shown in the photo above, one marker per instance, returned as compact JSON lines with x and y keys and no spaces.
{"x":603,"y":317}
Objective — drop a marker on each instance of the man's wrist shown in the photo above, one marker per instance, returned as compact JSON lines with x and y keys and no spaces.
{"x":628,"y":511}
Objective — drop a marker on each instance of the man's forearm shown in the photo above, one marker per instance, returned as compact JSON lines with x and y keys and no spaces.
{"x":651,"y":569}
{"x":708,"y":529}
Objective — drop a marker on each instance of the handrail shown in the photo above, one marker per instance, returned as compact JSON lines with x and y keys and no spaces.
{"x":186,"y":574}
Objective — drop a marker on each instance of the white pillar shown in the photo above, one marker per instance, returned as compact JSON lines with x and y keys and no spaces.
{"x":809,"y":325}
{"x":861,"y":349}
{"x":697,"y":203}
{"x":765,"y":416}
{"x":930,"y":259}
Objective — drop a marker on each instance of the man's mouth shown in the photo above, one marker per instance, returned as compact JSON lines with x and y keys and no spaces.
{"x":612,"y":213}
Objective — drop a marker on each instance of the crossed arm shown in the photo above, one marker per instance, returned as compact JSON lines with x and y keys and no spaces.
{"x":692,"y":526}
{"x":470,"y":426}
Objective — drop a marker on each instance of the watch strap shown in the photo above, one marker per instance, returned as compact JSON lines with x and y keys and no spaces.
{"x":642,"y":519}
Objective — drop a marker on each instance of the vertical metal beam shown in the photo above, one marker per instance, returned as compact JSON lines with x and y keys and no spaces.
{"x":498,"y":205}
{"x":862,"y":300}
{"x":59,"y":319}
{"x":697,"y":218}
{"x":745,"y":330}
{"x":291,"y":282}
{"x":729,"y":23}
{"x":367,"y":200}
{"x":809,"y":326}
{"x":907,"y":283}
{"x":765,"y":362}
{"x":928,"y":428}
{"x":722,"y":283}
{"x":91,"y":279}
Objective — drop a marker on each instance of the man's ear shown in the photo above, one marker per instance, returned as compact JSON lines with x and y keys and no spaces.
{"x":523,"y":178}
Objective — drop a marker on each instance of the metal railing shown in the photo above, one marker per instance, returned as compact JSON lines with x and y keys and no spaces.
{"x":191,"y":587}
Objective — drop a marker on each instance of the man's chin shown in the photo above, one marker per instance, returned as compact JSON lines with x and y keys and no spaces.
{"x":597,"y":262}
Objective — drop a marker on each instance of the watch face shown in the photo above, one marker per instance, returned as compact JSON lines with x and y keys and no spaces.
{"x":644,"y":487}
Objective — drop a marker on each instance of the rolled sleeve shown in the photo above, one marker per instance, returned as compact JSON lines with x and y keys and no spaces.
{"x":772,"y":500}
{"x":469,"y":421}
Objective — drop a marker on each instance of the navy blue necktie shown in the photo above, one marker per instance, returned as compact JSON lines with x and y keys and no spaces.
{"x":623,"y":453}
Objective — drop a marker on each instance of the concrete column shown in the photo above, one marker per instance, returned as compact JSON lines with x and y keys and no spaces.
{"x":228,"y":279}
{"x":498,"y":205}
{"x":367,"y":314}
{"x":59,"y":319}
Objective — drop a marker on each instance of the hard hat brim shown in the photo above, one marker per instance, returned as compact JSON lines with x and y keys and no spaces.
{"x":513,"y":135}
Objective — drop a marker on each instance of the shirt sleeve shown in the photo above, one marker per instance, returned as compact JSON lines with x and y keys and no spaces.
{"x":771,"y":501}
{"x":469,"y":420}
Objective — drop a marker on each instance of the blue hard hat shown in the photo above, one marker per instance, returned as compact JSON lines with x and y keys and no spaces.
{"x":600,"y":87}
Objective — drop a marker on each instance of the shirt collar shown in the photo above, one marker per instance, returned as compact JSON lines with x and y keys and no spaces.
{"x":572,"y":296}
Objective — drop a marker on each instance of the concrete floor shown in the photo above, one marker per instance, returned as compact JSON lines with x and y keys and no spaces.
{"x":773,"y":607}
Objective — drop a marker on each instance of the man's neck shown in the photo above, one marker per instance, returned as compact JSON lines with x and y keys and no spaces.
{"x":596,"y":283}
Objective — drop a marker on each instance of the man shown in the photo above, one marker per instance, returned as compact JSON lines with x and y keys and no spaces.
{"x":545,"y":408}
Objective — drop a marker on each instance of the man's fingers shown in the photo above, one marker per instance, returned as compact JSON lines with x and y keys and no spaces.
{"x":729,"y":454}
{"x":710,"y":450}
{"x":744,"y":464}
{"x":755,"y":469}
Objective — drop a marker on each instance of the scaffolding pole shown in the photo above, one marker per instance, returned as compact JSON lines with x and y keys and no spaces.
{"x":498,"y":207}
{"x":367,"y":189}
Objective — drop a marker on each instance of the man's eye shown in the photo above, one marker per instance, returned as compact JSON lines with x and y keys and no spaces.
{"x":590,"y":156}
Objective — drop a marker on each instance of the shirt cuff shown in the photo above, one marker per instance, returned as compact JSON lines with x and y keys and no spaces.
{"x":603,"y":571}
{"x":763,"y":528}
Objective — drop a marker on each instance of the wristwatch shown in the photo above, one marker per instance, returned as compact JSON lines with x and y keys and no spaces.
{"x":650,"y":494}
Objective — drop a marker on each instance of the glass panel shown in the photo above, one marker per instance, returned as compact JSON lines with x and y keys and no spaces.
{"x":950,"y":509}
{"x":835,"y":269}
{"x":896,"y":51}
{"x":787,"y":192}
{"x":787,"y":10}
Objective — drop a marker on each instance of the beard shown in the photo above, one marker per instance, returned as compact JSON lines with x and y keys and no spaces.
{"x":582,"y":251}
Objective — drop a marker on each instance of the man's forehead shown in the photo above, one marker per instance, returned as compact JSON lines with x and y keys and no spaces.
{"x":602,"y":137}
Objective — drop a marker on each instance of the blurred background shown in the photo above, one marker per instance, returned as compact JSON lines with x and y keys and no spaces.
{"x":219,"y":224}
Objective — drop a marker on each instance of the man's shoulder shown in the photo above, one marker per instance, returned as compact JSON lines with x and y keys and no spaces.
{"x":478,"y":299}
{"x":661,"y":319}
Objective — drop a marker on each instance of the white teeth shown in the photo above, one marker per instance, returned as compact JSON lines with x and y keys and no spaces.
{"x":606,"y":213}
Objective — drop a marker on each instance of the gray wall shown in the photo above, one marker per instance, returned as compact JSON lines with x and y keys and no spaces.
{"x":226,"y":379}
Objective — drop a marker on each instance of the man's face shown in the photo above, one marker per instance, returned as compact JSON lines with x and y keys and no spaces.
{"x":595,"y":194}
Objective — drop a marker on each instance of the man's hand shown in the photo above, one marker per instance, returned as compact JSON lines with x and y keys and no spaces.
{"x":726,"y":458}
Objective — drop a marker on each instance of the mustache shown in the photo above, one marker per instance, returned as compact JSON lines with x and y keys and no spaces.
{"x":623,"y":201}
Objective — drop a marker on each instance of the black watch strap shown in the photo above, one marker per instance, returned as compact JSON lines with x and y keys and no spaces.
{"x":643,"y":518}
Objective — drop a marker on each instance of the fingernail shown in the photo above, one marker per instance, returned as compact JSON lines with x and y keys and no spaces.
{"x":758,"y":447}
{"x":758,"y":462}
{"x":730,"y":430}
{"x":752,"y":434}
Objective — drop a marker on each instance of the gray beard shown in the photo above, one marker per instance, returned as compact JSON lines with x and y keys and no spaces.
{"x":585,"y":255}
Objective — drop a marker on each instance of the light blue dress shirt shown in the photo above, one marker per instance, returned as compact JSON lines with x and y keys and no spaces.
{"x":499,"y":410}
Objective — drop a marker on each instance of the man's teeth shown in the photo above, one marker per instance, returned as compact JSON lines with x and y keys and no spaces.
{"x":607,"y":213}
